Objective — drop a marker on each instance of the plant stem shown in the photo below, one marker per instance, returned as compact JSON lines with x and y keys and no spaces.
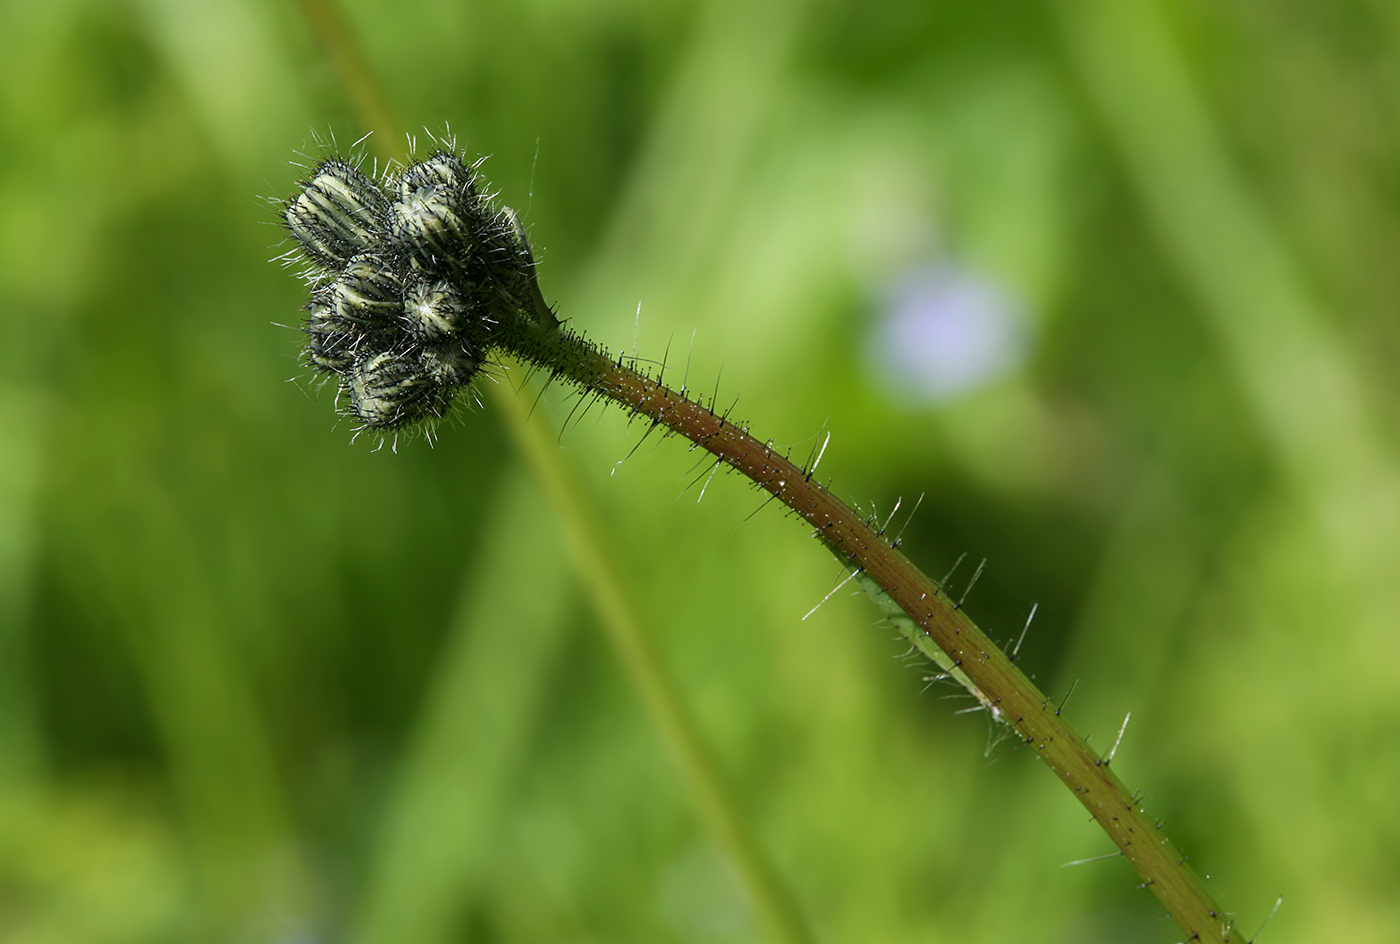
{"x":971,"y":656}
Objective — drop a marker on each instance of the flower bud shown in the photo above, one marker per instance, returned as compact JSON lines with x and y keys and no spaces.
{"x":451,"y":366}
{"x":338,"y":213}
{"x":330,"y":343}
{"x":390,"y":389}
{"x":443,"y":169}
{"x":433,"y":227}
{"x":367,"y":293}
{"x":437,"y":216}
{"x":434,"y":309}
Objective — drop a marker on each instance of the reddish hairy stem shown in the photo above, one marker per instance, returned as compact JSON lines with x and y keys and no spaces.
{"x":1003,"y":687}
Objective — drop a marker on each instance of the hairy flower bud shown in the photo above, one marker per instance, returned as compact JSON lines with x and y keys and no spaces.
{"x":433,"y":228}
{"x":451,"y":366}
{"x":338,"y":213}
{"x":438,"y":219}
{"x":391,"y":389}
{"x":443,"y":169}
{"x":412,"y":274}
{"x":368,"y":292}
{"x":434,"y":309}
{"x":330,"y":344}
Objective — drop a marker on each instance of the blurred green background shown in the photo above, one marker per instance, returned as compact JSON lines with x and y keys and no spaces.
{"x":1111,"y":285}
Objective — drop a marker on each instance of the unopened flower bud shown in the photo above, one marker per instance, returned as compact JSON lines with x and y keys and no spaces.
{"x":391,"y":389}
{"x":433,"y":309}
{"x":443,"y":169}
{"x":367,"y":293}
{"x":451,"y":366}
{"x":437,"y":216}
{"x":338,"y":213}
{"x":330,"y":344}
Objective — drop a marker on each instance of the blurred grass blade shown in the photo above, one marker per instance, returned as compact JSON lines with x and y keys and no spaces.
{"x":617,"y":614}
{"x":476,"y":721}
{"x":220,"y":758}
{"x":20,"y":473}
{"x":1302,"y":381}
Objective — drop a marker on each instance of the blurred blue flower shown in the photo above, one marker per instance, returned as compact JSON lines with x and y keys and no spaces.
{"x":942,"y":331}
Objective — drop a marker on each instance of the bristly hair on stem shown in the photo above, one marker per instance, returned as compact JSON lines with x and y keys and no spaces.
{"x":418,"y":279}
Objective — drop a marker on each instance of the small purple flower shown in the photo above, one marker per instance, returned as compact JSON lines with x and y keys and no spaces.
{"x":943,"y":331}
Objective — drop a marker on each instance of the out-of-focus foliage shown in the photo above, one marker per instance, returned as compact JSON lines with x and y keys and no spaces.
{"x":259,"y":682}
